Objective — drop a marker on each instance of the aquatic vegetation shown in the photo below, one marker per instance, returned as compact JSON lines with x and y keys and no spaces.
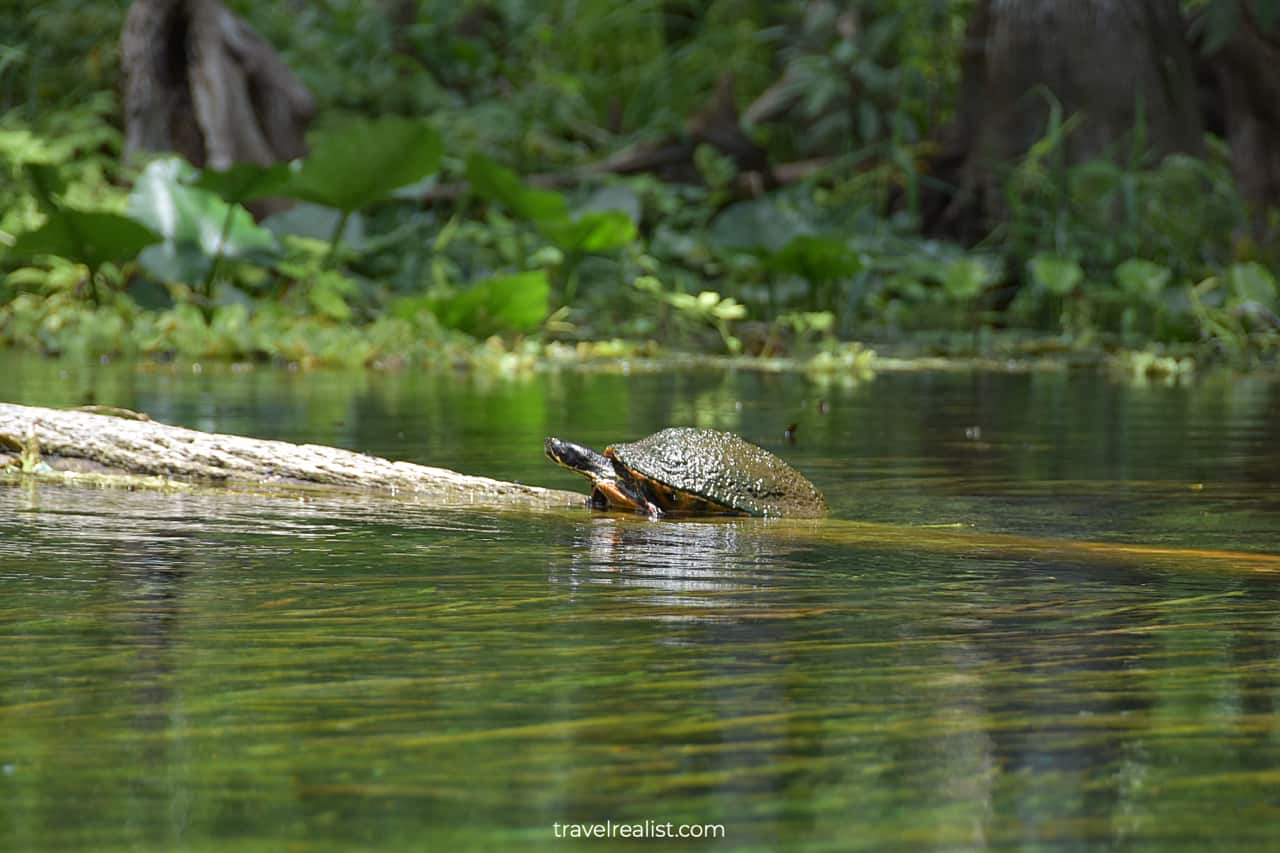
{"x":494,"y":215}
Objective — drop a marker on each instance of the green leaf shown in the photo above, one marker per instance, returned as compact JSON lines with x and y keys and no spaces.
{"x":316,"y":222}
{"x":717,"y":170}
{"x":1218,"y":22}
{"x":499,"y":184}
{"x":1095,"y":180}
{"x":1267,"y":13}
{"x":761,"y":224}
{"x":364,"y":160}
{"x":20,"y":147}
{"x":244,"y":181}
{"x":191,"y":222}
{"x":88,"y":237}
{"x":47,"y":185}
{"x":511,"y":303}
{"x":1056,"y":274}
{"x":815,"y":258}
{"x":965,"y":278}
{"x":1143,"y":279}
{"x":1252,"y":282}
{"x":328,"y":293}
{"x":614,"y":197}
{"x":601,"y":231}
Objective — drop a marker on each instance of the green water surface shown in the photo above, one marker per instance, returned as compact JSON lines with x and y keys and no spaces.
{"x":244,"y":673}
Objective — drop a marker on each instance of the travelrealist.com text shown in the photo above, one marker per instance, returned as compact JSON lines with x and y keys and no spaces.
{"x":642,"y":829}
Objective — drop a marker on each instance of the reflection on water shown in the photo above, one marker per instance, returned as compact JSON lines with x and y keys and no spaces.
{"x":217,"y":671}
{"x":686,"y":566}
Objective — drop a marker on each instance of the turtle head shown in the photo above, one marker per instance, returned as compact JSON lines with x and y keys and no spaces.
{"x":610,"y":487}
{"x":579,"y":459}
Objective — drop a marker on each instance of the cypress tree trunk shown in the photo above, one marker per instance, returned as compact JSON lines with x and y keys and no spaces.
{"x":1244,"y":80}
{"x":1120,"y":66}
{"x":199,"y":81}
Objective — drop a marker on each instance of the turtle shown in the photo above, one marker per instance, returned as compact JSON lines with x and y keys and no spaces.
{"x":690,"y":471}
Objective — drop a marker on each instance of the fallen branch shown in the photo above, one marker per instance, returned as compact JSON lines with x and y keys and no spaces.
{"x":78,"y":446}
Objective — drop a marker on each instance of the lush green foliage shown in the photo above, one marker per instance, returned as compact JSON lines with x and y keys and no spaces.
{"x":164,"y":258}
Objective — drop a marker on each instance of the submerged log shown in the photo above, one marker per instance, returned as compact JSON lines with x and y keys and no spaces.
{"x":80,"y":446}
{"x":118,"y":448}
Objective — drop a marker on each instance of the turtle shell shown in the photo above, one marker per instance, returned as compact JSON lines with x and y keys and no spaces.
{"x":687,"y":469}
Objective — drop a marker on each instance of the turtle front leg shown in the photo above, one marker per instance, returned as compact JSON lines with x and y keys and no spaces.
{"x":608,"y":493}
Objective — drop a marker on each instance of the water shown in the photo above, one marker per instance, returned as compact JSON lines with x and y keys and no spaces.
{"x":938,"y":667}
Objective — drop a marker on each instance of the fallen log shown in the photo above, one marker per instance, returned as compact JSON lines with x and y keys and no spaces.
{"x":117,"y":448}
{"x":114,"y":449}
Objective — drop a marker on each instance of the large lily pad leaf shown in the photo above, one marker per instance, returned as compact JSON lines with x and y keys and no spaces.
{"x":965,"y":278}
{"x":363,"y":161}
{"x":497,"y":183}
{"x":815,"y":258}
{"x":245,"y":181}
{"x":510,"y":303}
{"x":595,"y":231}
{"x":89,"y":237}
{"x":764,"y":224}
{"x":317,"y":222}
{"x":1143,"y":279}
{"x":614,"y":197}
{"x":598,"y":227}
{"x":1056,"y":274}
{"x":196,"y":225}
{"x":1252,"y":282}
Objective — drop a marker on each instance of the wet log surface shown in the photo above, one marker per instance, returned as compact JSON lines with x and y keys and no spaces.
{"x":115,"y":449}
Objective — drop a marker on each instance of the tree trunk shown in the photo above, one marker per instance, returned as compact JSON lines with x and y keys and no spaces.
{"x":199,"y":81}
{"x":1122,"y":67}
{"x":1243,"y":74}
{"x":79,"y":446}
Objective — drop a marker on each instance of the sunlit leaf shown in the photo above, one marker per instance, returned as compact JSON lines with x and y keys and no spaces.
{"x":965,"y":278}
{"x":1055,"y":274}
{"x":196,"y":225}
{"x":1252,"y":282}
{"x":726,"y":308}
{"x":511,"y":303}
{"x":328,"y":293}
{"x":1143,"y":279}
{"x":363,"y":160}
{"x":600,"y":231}
{"x":22,"y":147}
